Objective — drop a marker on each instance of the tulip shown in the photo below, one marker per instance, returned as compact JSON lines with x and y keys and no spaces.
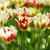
{"x":48,"y":2}
{"x":7,"y":34}
{"x":3,"y":18}
{"x":24,"y":22}
{"x":40,"y":21}
{"x":4,"y":4}
{"x":34,"y":4}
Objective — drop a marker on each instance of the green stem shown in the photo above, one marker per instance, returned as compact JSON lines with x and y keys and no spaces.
{"x":34,"y":36}
{"x":46,"y":39}
{"x":6,"y":46}
{"x":34,"y":32}
{"x":22,"y":41}
{"x":39,"y":40}
{"x":48,"y":43}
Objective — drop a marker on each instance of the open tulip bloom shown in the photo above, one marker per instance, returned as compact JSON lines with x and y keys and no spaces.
{"x":24,"y":11}
{"x":4,"y":4}
{"x":40,"y":21}
{"x":3,"y":18}
{"x":7,"y":34}
{"x":24,"y":22}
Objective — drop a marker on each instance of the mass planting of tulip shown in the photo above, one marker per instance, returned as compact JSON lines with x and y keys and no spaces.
{"x":25,"y":24}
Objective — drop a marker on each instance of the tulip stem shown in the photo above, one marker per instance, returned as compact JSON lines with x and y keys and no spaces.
{"x":39,"y":40}
{"x":23,"y":41}
{"x":6,"y":46}
{"x":34,"y":37}
{"x":46,"y":39}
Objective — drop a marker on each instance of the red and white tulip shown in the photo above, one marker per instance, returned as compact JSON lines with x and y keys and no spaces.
{"x":40,"y":21}
{"x":24,"y":22}
{"x":7,"y":34}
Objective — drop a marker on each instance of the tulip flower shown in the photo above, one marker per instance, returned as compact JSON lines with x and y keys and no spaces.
{"x":48,"y":2}
{"x":27,"y":3}
{"x":40,"y":21}
{"x":26,"y":11}
{"x":4,"y":4}
{"x":10,"y":12}
{"x":3,"y":18}
{"x":7,"y":34}
{"x":24,"y":22}
{"x":31,"y":11}
{"x":20,"y":11}
{"x":34,"y":4}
